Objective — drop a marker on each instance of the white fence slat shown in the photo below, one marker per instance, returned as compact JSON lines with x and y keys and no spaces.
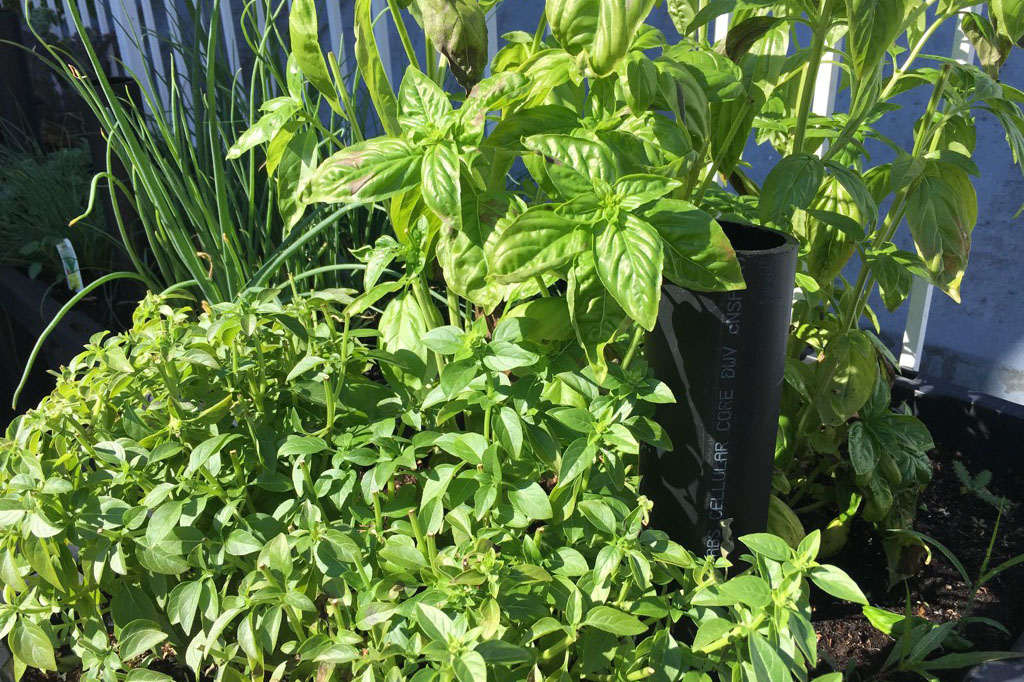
{"x":720,"y":28}
{"x":102,"y":17}
{"x":83,"y":11}
{"x":227,"y":27}
{"x":125,"y":17}
{"x":336,"y":31}
{"x":382,"y":34}
{"x":492,"y":37}
{"x":158,"y":73}
{"x":919,"y":302}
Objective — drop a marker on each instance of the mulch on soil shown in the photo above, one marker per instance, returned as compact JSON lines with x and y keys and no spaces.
{"x":964,"y":524}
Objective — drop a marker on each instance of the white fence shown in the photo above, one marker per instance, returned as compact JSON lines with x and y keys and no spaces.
{"x":138,"y":27}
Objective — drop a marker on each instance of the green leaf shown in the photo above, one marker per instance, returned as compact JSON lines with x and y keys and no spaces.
{"x":402,"y":327}
{"x":615,"y":622}
{"x":31,"y":646}
{"x":164,"y":520}
{"x":277,"y":556}
{"x":836,"y":582}
{"x":942,"y":209}
{"x":470,"y":667}
{"x":1009,"y":15}
{"x":595,"y":315}
{"x":372,"y":69}
{"x":746,"y":33}
{"x":442,"y":191}
{"x":793,"y":183}
{"x":421,"y":98}
{"x":711,"y":631}
{"x":577,"y":458}
{"x":138,"y":637}
{"x":574,"y":163}
{"x":874,"y":26}
{"x":301,"y":445}
{"x":862,"y":450}
{"x":537,"y":241}
{"x":698,"y":255}
{"x":241,"y":542}
{"x":143,"y":675}
{"x":434,"y":622}
{"x":599,"y":514}
{"x":446,"y":340}
{"x":629,"y":259}
{"x":531,"y":500}
{"x":303,"y":29}
{"x":183,"y":602}
{"x":295,"y":168}
{"x":368,"y":171}
{"x":768,"y":545}
{"x":851,"y":357}
{"x":279,"y":112}
{"x":768,"y":665}
{"x":500,"y":652}
{"x":639,"y":189}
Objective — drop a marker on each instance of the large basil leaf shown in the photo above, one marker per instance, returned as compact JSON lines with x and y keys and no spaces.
{"x":458,"y":29}
{"x":461,"y":253}
{"x":575,"y":162}
{"x":718,"y":76}
{"x":279,"y":112}
{"x":572,"y":22}
{"x":874,"y":26}
{"x":298,"y":162}
{"x":1009,"y":14}
{"x":942,"y":209}
{"x":303,"y":29}
{"x":638,"y":189}
{"x":852,"y":369}
{"x":547,"y":118}
{"x":368,"y":171}
{"x":537,"y":241}
{"x":595,"y":315}
{"x":629,"y":256}
{"x":794,"y":182}
{"x":832,"y":227}
{"x":402,"y":327}
{"x":441,"y":187}
{"x":420,"y":98}
{"x":698,"y":255}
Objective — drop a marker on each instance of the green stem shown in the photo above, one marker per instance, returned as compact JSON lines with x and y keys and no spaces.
{"x":538,"y":35}
{"x":421,"y":540}
{"x":853,"y":125}
{"x":809,"y":77}
{"x":720,"y":156}
{"x":65,"y":309}
{"x":378,"y":519}
{"x":634,"y":344}
{"x":403,"y":33}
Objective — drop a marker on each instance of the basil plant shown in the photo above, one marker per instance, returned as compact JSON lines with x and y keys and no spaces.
{"x":840,"y":446}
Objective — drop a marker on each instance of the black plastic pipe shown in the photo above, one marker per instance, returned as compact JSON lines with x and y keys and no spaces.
{"x":723,"y":354}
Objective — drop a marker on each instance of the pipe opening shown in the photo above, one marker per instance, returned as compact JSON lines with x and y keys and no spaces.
{"x":752,"y":237}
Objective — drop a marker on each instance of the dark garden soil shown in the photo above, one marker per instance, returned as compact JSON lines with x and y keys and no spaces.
{"x":964,"y":524}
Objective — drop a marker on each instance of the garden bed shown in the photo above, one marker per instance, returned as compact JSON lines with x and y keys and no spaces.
{"x":963,"y":523}
{"x":981,"y":433}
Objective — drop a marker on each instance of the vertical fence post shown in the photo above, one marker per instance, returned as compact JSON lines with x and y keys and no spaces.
{"x":125,"y":17}
{"x":919,"y":302}
{"x":157,"y":73}
{"x":382,"y":35}
{"x":227,"y":27}
{"x":336,"y":35}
